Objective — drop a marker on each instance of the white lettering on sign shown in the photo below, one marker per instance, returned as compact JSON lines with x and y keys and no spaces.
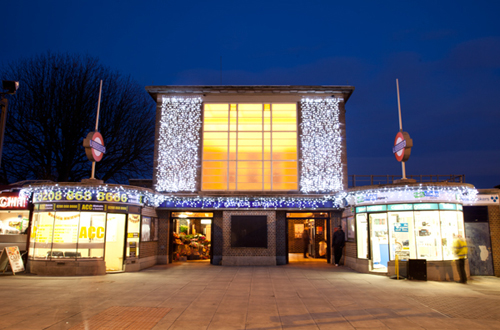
{"x":12,"y":202}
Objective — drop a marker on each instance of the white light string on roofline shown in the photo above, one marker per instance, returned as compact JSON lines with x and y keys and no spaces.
{"x":338,"y":200}
{"x":178,"y":144}
{"x":321,"y":146}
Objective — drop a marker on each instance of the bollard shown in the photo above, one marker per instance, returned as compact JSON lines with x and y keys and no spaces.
{"x":397,"y":267}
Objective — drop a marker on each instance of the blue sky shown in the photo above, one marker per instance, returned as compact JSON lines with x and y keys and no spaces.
{"x":446,"y":55}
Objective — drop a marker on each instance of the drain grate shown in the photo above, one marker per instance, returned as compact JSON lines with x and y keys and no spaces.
{"x":118,"y":317}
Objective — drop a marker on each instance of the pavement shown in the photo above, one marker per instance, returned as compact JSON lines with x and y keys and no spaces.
{"x":197,"y":295}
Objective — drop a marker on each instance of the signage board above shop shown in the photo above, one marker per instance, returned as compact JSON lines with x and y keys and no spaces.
{"x":13,"y":201}
{"x":93,"y":207}
{"x":81,"y":195}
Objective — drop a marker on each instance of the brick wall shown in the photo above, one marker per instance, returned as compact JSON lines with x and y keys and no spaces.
{"x":494,"y":219}
{"x":148,"y":249}
{"x":163,"y":231}
{"x":351,"y":249}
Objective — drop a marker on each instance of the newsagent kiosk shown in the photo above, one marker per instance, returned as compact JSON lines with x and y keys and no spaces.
{"x":406,"y":221}
{"x":244,"y":170}
{"x":86,"y":229}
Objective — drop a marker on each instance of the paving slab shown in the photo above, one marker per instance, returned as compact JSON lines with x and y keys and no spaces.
{"x":312,"y":295}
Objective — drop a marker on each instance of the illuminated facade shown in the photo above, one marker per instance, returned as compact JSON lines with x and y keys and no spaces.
{"x":248,"y":151}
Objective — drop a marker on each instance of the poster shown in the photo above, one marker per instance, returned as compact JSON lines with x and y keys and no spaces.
{"x":299,"y":228}
{"x":11,"y":255}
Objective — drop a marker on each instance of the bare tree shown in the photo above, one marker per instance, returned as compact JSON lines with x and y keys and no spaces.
{"x":54,"y":109}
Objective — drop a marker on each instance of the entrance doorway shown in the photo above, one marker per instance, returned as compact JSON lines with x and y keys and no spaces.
{"x":317,"y":246}
{"x":191,"y":236}
{"x":115,"y":242}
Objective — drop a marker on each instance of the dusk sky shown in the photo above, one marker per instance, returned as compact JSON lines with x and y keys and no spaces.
{"x":446,"y":55}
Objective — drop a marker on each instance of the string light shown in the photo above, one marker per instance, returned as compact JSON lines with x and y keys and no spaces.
{"x":414,"y":193}
{"x":321,"y":166}
{"x":178,"y":144}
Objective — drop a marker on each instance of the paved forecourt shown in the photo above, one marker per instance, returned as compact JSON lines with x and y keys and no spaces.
{"x":302,"y":295}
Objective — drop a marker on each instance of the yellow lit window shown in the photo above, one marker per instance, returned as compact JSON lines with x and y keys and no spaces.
{"x":250,"y":147}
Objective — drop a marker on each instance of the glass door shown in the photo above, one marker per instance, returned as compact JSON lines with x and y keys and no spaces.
{"x":115,"y":242}
{"x":379,"y":240}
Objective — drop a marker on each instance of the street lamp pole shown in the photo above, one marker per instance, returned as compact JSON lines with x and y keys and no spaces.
{"x":11,"y":87}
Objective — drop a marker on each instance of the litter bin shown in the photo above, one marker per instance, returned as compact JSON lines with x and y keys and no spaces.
{"x":417,"y":269}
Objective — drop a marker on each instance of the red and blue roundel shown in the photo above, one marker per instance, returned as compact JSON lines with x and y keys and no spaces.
{"x":94,"y":146}
{"x":402,"y":146}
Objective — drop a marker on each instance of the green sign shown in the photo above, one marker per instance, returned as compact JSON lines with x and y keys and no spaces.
{"x":400,"y":207}
{"x":425,"y":206}
{"x":361,"y":209}
{"x":447,"y":206}
{"x":376,"y":208}
{"x":459,"y":207}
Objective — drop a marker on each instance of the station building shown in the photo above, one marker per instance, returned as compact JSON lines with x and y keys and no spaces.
{"x":240,"y":172}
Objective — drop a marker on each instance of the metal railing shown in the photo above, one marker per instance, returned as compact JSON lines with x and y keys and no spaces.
{"x":366,"y":180}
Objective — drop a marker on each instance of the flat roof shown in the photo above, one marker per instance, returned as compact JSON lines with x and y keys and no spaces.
{"x":340,"y":91}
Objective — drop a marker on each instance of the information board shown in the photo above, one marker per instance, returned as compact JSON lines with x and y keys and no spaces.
{"x":11,"y":255}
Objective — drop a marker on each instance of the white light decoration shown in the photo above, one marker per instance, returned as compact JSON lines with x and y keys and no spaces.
{"x":321,"y":164}
{"x":178,"y":144}
{"x":414,"y":194}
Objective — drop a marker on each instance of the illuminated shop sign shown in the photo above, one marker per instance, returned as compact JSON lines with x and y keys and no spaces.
{"x":447,"y":206}
{"x":77,"y":207}
{"x":13,"y":201}
{"x":252,"y":204}
{"x":376,"y":208}
{"x":400,"y":207}
{"x":77,"y":195}
{"x":426,"y":206}
{"x":361,"y":209}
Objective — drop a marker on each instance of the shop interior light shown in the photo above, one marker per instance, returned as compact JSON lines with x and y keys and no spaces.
{"x":206,"y":221}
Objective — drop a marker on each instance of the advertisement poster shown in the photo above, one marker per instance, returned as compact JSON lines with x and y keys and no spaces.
{"x":299,"y":228}
{"x":11,"y":255}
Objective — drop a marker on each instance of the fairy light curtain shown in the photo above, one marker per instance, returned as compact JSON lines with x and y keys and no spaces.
{"x":178,"y":144}
{"x":321,"y":165}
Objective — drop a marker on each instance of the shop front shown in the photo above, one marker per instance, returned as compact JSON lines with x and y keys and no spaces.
{"x":406,"y":222}
{"x":14,"y":220}
{"x":90,"y":230}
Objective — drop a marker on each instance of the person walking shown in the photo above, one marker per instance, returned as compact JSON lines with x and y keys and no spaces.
{"x":460,"y":250}
{"x":338,"y":244}
{"x":306,"y":239}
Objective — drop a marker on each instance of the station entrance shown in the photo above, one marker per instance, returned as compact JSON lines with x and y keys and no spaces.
{"x":307,"y":236}
{"x":191,"y":236}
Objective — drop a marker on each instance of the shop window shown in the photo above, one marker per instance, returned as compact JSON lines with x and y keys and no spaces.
{"x":428,"y":235}
{"x":134,"y":223}
{"x":65,"y":236}
{"x":402,"y":243}
{"x":14,"y":222}
{"x":451,"y":227}
{"x":379,"y":238}
{"x":115,"y":241}
{"x":149,"y":229}
{"x":91,"y":235}
{"x":351,"y":232}
{"x":191,"y":236}
{"x":43,"y":228}
{"x":250,"y":147}
{"x":362,"y":234}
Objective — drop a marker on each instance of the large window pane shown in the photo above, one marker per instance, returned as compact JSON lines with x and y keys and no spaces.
{"x":43,"y":229}
{"x":402,"y":243}
{"x":66,"y":234}
{"x":362,"y":235}
{"x":92,"y":233}
{"x":146,"y":229}
{"x":13,"y":222}
{"x":258,"y":134}
{"x":379,"y":238}
{"x":449,"y":230}
{"x":428,"y":235}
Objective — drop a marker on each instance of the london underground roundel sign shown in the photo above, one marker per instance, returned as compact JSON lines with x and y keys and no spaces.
{"x":402,"y":146}
{"x":94,"y":146}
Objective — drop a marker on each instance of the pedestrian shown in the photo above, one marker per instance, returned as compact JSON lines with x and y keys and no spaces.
{"x":460,"y":250}
{"x":338,"y":244}
{"x":306,"y":239}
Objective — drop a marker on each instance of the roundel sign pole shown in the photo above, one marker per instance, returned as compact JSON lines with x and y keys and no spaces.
{"x":94,"y":143}
{"x":402,"y":142}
